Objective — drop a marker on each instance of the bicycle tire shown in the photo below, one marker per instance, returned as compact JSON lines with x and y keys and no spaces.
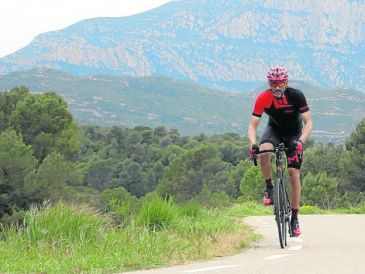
{"x":284,"y":211}
{"x":288,"y":211}
{"x":278,"y":209}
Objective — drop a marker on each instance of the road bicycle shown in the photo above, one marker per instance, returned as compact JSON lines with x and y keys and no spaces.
{"x":282,"y":208}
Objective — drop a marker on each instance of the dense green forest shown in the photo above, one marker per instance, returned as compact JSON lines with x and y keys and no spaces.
{"x":45,"y":155}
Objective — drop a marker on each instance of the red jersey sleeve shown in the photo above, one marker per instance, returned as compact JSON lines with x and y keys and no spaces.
{"x":260,"y":104}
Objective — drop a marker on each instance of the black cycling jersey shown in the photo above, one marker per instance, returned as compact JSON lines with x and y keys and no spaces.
{"x":284,"y":114}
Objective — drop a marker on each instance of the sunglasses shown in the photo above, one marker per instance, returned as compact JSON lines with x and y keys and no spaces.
{"x":279,"y":84}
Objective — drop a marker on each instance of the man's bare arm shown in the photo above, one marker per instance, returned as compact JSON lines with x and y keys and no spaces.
{"x":308,"y":126}
{"x":252,"y":129}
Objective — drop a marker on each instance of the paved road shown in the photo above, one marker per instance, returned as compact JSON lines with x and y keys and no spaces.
{"x":329,"y":244}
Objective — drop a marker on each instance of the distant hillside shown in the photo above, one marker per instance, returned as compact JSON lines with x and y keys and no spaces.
{"x":223,"y":44}
{"x":148,"y":101}
{"x":190,"y":108}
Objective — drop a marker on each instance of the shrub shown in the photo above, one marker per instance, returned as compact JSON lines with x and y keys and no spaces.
{"x":119,"y":202}
{"x":320,"y":190}
{"x":156,"y":213}
{"x":252,"y":185}
{"x":210,"y":199}
{"x":190,"y":209}
{"x":65,"y":224}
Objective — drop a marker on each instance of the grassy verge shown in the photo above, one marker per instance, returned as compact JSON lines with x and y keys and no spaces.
{"x":254,"y":209}
{"x":360,"y":209}
{"x":249,"y":209}
{"x":76,"y":239}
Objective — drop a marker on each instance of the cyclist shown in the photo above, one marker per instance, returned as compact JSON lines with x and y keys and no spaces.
{"x":287,"y":110}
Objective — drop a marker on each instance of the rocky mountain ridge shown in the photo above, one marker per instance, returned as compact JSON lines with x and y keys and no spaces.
{"x":223,"y":44}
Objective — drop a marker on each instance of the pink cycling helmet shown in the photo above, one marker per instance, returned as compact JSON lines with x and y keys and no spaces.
{"x":277,"y":74}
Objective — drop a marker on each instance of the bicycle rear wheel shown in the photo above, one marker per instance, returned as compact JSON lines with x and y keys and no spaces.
{"x":279,"y":210}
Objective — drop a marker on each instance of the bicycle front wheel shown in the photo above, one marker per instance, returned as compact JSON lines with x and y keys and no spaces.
{"x":285,"y":210}
{"x":279,"y":209}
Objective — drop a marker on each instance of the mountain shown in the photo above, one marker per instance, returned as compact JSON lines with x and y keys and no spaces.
{"x":222,"y":44}
{"x":192,"y":109}
{"x":128,"y":101}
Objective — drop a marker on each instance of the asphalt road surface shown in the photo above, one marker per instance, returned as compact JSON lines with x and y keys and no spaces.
{"x":329,"y":244}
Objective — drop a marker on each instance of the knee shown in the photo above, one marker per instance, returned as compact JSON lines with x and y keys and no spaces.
{"x":294,"y":173}
{"x":266,"y":146}
{"x":266,"y":157}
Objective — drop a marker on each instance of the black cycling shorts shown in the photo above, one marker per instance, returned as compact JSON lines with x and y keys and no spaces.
{"x":273,"y":137}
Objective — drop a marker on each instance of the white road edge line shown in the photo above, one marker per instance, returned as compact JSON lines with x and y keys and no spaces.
{"x":211,"y":268}
{"x":274,"y":257}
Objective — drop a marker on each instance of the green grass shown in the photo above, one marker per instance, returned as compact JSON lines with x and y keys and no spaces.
{"x":254,"y":209}
{"x":309,"y":209}
{"x":157,"y":213}
{"x":191,"y":209}
{"x":77,"y":239}
{"x":360,"y":209}
{"x":63,"y":224}
{"x":249,"y":209}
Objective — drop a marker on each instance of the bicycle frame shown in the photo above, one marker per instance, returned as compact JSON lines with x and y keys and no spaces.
{"x":282,"y":208}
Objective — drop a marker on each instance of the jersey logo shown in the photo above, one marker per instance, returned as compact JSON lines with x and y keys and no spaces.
{"x":293,"y":159}
{"x":281,"y":103}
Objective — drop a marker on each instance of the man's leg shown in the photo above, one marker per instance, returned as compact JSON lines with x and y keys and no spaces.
{"x":295,"y":186}
{"x":269,"y":140}
{"x":265,"y":160}
{"x":295,"y":193}
{"x":265,"y":163}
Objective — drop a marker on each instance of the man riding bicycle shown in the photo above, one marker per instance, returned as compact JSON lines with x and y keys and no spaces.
{"x":287,"y":110}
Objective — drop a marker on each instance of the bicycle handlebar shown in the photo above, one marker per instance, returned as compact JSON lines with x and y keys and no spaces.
{"x":261,"y":152}
{"x":265,"y":151}
{"x":278,"y":148}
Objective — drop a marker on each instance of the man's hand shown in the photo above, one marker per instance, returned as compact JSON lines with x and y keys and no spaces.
{"x":253,"y":150}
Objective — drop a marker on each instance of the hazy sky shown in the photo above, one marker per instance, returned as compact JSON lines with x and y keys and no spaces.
{"x":22,"y":20}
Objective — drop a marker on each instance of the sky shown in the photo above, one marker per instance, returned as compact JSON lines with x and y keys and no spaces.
{"x":22,"y":20}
